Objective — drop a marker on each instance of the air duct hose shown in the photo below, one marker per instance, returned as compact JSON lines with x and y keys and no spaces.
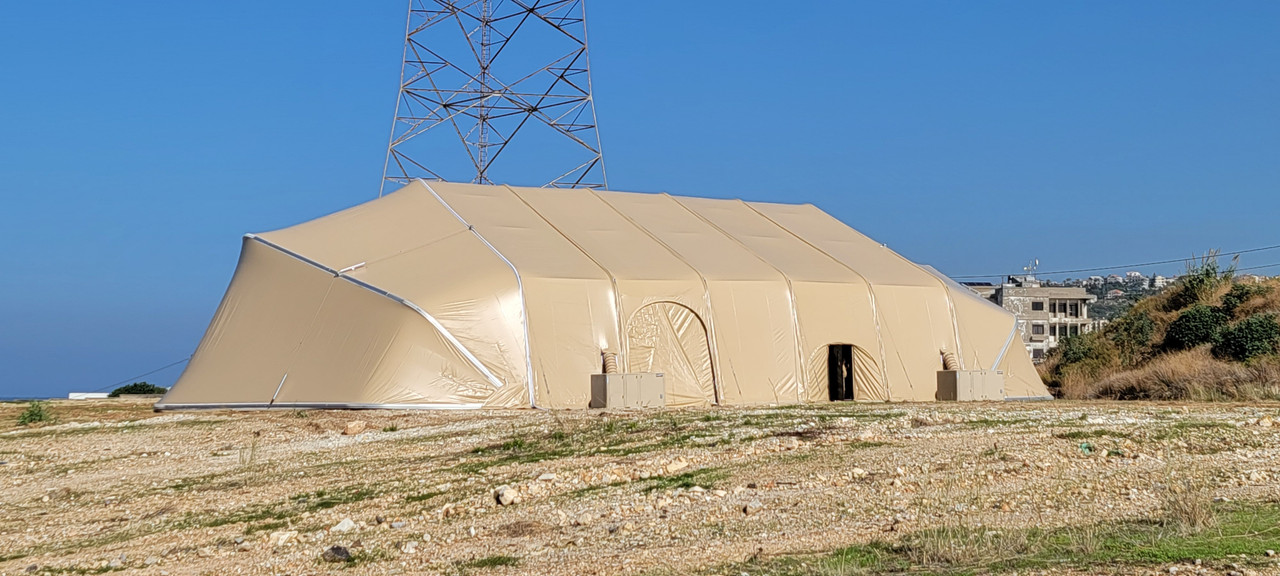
{"x":949,"y":361}
{"x":610,"y":362}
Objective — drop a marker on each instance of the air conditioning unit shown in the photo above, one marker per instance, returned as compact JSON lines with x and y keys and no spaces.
{"x":641,"y":390}
{"x":970,"y":385}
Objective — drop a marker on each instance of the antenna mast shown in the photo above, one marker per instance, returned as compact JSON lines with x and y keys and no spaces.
{"x":476,"y":73}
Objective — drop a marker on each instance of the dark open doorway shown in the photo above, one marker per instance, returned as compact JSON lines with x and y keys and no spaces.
{"x":840,"y":371}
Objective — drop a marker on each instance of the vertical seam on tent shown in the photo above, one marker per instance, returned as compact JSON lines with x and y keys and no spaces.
{"x":955,"y":324}
{"x":524,"y":305}
{"x":953,"y":285}
{"x":955,"y":328}
{"x":791,"y":295}
{"x":706,"y":297}
{"x":475,"y":362}
{"x":613,"y":280}
{"x":871,"y":296}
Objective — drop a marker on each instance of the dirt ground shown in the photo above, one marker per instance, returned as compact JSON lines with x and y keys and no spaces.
{"x":113,"y":486}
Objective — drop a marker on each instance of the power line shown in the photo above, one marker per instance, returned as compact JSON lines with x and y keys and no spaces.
{"x":1139,"y":265}
{"x":135,"y":378}
{"x":1258,"y":267}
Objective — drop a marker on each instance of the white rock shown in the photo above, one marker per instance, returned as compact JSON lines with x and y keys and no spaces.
{"x":548,"y":477}
{"x":346,"y":525}
{"x":354,"y":427}
{"x":506,"y":495}
{"x":410,"y":547}
{"x":752,"y":507}
{"x":858,"y":473}
{"x":282,"y":538}
{"x":676,"y":466}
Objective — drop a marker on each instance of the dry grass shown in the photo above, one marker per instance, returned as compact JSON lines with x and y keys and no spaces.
{"x":1118,"y":364}
{"x":1188,"y":503}
{"x":1187,"y":375}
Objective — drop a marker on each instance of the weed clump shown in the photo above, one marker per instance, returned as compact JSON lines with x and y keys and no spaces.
{"x":1188,"y":507}
{"x":491,"y":562}
{"x":37,"y":412}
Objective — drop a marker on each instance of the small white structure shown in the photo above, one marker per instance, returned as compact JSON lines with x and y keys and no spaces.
{"x":87,"y":395}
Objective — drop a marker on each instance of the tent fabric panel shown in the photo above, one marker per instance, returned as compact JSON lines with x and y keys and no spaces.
{"x":751,"y":319}
{"x":829,"y":314}
{"x":983,"y":333}
{"x":668,"y":338}
{"x":713,"y":254}
{"x":571,"y":323}
{"x":405,"y":219}
{"x":872,"y":260}
{"x":636,"y":294}
{"x":256,"y":330}
{"x":987,"y":330}
{"x":460,"y":282}
{"x":917,"y":326}
{"x":611,"y":240}
{"x":755,"y":342}
{"x":366,"y":348}
{"x":797,"y":260}
{"x":1021,"y":379}
{"x":532,"y":245}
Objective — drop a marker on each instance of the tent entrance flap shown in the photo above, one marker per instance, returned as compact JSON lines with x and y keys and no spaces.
{"x":840,"y":384}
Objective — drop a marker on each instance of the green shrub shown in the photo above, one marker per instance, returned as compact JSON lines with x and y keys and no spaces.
{"x":1084,"y":356}
{"x":35,"y":412}
{"x":1076,"y":349}
{"x":1197,"y":325}
{"x":138,"y":388}
{"x":1239,"y":294}
{"x":1131,"y":335}
{"x":1249,"y":338}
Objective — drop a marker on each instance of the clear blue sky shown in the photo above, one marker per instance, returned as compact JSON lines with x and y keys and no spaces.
{"x":140,"y":140}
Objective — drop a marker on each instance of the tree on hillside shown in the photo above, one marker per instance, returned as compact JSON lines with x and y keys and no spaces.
{"x":138,"y":388}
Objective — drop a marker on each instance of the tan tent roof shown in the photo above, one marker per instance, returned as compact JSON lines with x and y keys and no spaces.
{"x":446,"y":295}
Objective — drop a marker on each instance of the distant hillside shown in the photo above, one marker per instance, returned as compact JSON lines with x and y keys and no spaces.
{"x":1208,"y":337}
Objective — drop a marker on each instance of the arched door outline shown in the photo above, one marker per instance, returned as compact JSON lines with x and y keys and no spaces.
{"x":706,"y":332}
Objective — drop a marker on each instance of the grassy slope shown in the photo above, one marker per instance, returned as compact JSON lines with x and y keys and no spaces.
{"x":1235,"y":529}
{"x":1132,"y":357}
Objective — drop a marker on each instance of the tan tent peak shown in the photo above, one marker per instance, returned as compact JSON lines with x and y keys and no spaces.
{"x":445,"y":295}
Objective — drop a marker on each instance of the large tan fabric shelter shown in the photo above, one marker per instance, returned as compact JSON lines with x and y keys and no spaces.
{"x":446,"y":295}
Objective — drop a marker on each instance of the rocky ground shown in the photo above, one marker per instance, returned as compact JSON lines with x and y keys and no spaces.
{"x":112,"y":486}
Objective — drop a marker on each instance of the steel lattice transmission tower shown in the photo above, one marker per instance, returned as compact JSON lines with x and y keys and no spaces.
{"x":496,"y":89}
